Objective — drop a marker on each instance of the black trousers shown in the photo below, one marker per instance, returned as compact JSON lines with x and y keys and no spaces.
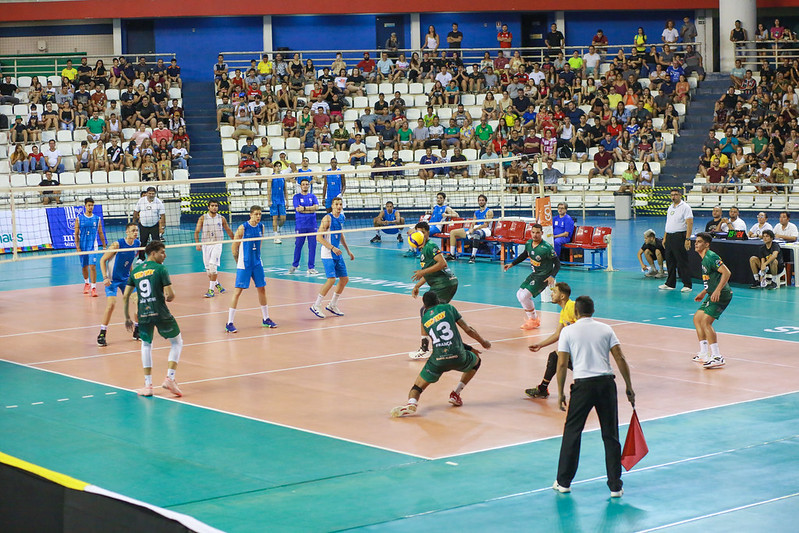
{"x":591,"y":393}
{"x":552,"y":366}
{"x":677,"y":259}
{"x":146,"y":234}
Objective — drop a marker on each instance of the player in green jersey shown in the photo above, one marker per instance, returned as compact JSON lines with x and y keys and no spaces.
{"x":545,"y":264}
{"x":441,"y":320}
{"x":152,"y":283}
{"x":715,"y":276}
{"x":436,"y":273}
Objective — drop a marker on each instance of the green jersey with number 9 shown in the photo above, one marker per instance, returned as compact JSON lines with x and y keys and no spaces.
{"x":441,"y":324}
{"x":149,"y":279}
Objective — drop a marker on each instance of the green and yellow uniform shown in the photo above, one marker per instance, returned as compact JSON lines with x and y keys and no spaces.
{"x":149,"y":279}
{"x":542,"y":261}
{"x":443,"y":283}
{"x":711,"y":278}
{"x":441,"y":324}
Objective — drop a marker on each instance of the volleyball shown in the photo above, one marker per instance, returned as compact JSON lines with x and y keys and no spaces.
{"x":416,"y":240}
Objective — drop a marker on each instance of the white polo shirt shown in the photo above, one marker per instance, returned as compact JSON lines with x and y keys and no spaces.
{"x":589,"y":343}
{"x":789,"y":230}
{"x":677,"y":216}
{"x":149,"y":212}
{"x":737,"y":225}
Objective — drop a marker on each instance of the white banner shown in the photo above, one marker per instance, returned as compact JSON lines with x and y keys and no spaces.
{"x":33,"y":230}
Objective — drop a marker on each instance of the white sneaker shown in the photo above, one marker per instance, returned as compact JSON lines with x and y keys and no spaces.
{"x":562,"y":490}
{"x":278,"y":241}
{"x":334,"y":309}
{"x":292,"y":269}
{"x":700,"y":358}
{"x":665,"y":287}
{"x":318,"y":312}
{"x":714,"y":362}
{"x":312,"y":272}
{"x":617,"y":493}
{"x":686,"y":289}
{"x":419,"y":354}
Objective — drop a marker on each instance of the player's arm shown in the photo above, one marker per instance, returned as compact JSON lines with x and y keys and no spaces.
{"x":343,"y":185}
{"x":689,"y":223}
{"x":641,"y":260}
{"x":439,"y":265}
{"x":101,"y":234}
{"x":725,"y":277}
{"x":77,"y":233}
{"x":552,"y":339}
{"x":770,"y":258}
{"x":237,"y":242}
{"x":162,"y":223}
{"x":104,"y":262}
{"x":324,"y":226}
{"x":451,"y":212}
{"x":197,"y":231}
{"x":519,"y":258}
{"x":347,"y":247}
{"x":126,"y":307}
{"x":169,"y":294}
{"x":555,"y":269}
{"x":621,"y":362}
{"x":226,"y":227}
{"x":324,"y":187}
{"x":470,"y":331}
{"x":379,"y":219}
{"x":269,"y":192}
{"x":563,"y":364}
{"x":135,"y":214}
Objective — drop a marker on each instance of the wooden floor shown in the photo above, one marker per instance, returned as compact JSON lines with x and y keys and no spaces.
{"x":340,"y":376}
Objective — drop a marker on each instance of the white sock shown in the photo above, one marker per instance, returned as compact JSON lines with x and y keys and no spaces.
{"x":757,"y":277}
{"x":703,"y":347}
{"x":714,"y":350}
{"x":170,"y":374}
{"x":334,"y":299}
{"x":318,"y":301}
{"x":94,"y":285}
{"x":148,"y":380}
{"x":412,"y":401}
{"x":211,"y":285}
{"x":230,"y":314}
{"x":459,"y":388}
{"x":265,"y":311}
{"x":530,"y":314}
{"x":103,"y":327}
{"x":86,"y":281}
{"x":276,"y":233}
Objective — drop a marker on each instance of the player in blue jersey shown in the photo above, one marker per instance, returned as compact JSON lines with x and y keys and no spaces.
{"x":88,"y":227}
{"x":305,"y":207}
{"x":334,"y":185}
{"x":332,"y":258}
{"x":247,"y":255}
{"x":388,"y":217}
{"x":440,"y":213}
{"x":278,"y":198}
{"x":479,"y":229}
{"x":124,"y":254}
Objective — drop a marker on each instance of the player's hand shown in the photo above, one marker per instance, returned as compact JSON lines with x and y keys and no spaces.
{"x":534,"y":347}
{"x":335,"y":250}
{"x":417,"y":275}
{"x":485,"y":344}
{"x":415,"y":292}
{"x":107,"y":282}
{"x":352,"y":257}
{"x":715,"y":296}
{"x":631,"y":397}
{"x":128,"y":324}
{"x":506,"y":266}
{"x":698,"y":297}
{"x":687,"y":244}
{"x":199,"y":248}
{"x":644,"y":269}
{"x":550,"y":281}
{"x":562,"y":402}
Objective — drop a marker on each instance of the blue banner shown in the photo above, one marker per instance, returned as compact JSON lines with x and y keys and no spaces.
{"x":62,"y":224}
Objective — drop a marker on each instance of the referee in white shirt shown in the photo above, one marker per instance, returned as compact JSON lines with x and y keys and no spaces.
{"x":677,"y":242}
{"x":588,"y":343}
{"x":150,"y":215}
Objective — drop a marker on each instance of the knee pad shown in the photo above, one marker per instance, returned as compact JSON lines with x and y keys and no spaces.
{"x":417,"y":388}
{"x":477,"y":366}
{"x":211,"y":269}
{"x":526,"y":299}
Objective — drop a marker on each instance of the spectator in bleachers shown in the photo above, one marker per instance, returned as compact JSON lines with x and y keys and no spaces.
{"x":716,"y":174}
{"x":629,"y":178}
{"x":309,"y":139}
{"x":116,"y":156}
{"x":551,"y":175}
{"x":161,"y":132}
{"x":180,"y":156}
{"x":385,"y":68}
{"x":367,"y":67}
{"x":427,"y":159}
{"x":243,"y":125}
{"x":52,"y":158}
{"x":431,"y":40}
{"x":35,"y":128}
{"x":132,"y":156}
{"x":148,"y":169}
{"x":99,"y":158}
{"x":36,"y":159}
{"x":785,"y":229}
{"x":164,"y":166}
{"x":18,"y":160}
{"x":603,"y":163}
{"x":420,"y":135}
{"x":48,"y":197}
{"x":357,"y":152}
{"x":554,"y":40}
{"x":646,"y":178}
{"x":488,"y":170}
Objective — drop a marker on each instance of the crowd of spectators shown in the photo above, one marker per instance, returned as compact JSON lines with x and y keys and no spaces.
{"x":139,"y":127}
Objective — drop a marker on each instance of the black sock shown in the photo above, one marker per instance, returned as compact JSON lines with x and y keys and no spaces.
{"x":425,"y":344}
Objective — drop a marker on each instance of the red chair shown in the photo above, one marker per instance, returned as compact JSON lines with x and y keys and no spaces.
{"x":582,"y":237}
{"x":598,"y":247}
{"x":447,"y":229}
{"x":498,"y":236}
{"x":513,"y":238}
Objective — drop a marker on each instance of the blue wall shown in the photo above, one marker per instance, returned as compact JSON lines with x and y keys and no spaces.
{"x":619,"y":26}
{"x":479,"y":29}
{"x":197,"y":41}
{"x":327,"y":32}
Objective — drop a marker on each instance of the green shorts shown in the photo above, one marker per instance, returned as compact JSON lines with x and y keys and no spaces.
{"x":445,"y":294}
{"x":535,"y":283}
{"x":168,"y":329}
{"x":715,"y":309}
{"x":435,"y":367}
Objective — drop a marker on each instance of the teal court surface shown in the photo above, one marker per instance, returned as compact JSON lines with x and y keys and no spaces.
{"x":300,"y":439}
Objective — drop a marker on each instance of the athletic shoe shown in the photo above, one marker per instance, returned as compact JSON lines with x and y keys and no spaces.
{"x":375,"y":239}
{"x":278,"y":240}
{"x":101,"y":339}
{"x":715,"y":362}
{"x":455,"y":399}
{"x":94,"y":293}
{"x":531,"y":323}
{"x":700,"y":358}
{"x":136,"y":333}
{"x":450,"y":257}
{"x":472,"y":260}
{"x":686,"y":289}
{"x":537,"y":392}
{"x":661,"y":275}
{"x":86,"y":288}
{"x":771,"y":285}
{"x":419,"y":354}
{"x":292,"y":269}
{"x":403,"y":410}
{"x":651,"y":273}
{"x":230,"y":328}
{"x":268,"y":323}
{"x":172,"y":386}
{"x":220,"y":289}
{"x":209,"y":293}
{"x":755,"y":285}
{"x":399,"y":237}
{"x":318,"y":312}
{"x":665,"y":287}
{"x":312,"y":272}
{"x":617,"y":493}
{"x":145,"y":391}
{"x":334,"y":309}
{"x":561,"y":489}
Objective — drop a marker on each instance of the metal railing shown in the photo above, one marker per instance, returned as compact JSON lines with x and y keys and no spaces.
{"x":733,"y":194}
{"x":751,"y":53}
{"x":52,"y":65}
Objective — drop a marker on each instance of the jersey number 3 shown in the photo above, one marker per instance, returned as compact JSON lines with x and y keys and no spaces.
{"x":444,"y":333}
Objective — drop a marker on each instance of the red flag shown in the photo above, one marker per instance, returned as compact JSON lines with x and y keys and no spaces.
{"x":635,"y":447}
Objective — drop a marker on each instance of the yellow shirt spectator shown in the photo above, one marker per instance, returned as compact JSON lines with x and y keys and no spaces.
{"x":69,"y":73}
{"x":264,"y":67}
{"x":576,"y":63}
{"x":613,"y":100}
{"x":724,"y":161}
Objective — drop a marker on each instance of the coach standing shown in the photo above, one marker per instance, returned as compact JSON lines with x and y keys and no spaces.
{"x":150,"y":215}
{"x":676,"y":240}
{"x":588,"y":343}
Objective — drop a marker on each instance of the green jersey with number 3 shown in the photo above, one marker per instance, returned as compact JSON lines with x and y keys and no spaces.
{"x":711,"y":277}
{"x":542,"y":257}
{"x":441,"y":324}
{"x":442,"y":278}
{"x":149,"y":279}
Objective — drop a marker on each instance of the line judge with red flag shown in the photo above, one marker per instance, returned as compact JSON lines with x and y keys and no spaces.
{"x":589,"y":344}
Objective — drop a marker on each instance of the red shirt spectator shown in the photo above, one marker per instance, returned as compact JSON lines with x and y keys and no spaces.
{"x":616,"y":130}
{"x":248,"y":164}
{"x":500,"y":62}
{"x":161,"y":133}
{"x":367,"y":65}
{"x":600,"y":39}
{"x":716,"y":175}
{"x":603,"y":159}
{"x":504,"y":38}
{"x":289,"y":122}
{"x":320,"y":120}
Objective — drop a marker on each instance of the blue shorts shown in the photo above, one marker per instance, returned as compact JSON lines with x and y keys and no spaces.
{"x":277,"y":210}
{"x":115,"y":286}
{"x":335,"y":266}
{"x":392,"y":231}
{"x":243,"y":276}
{"x":86,"y":260}
{"x":434,"y":230}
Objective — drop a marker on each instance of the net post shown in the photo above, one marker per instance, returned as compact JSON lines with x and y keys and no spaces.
{"x":609,"y":239}
{"x":503,"y":190}
{"x":14,"y":251}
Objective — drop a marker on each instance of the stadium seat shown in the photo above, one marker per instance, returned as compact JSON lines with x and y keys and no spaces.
{"x":99,"y":177}
{"x":229,"y":145}
{"x":116,"y":176}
